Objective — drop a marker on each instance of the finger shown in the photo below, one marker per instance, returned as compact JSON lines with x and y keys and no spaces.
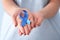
{"x":35,"y":21}
{"x":26,"y":30}
{"x":39,"y":21}
{"x":14,"y":20}
{"x":32,"y":22}
{"x":21,"y":29}
{"x":20,"y":33}
{"x":31,"y":19}
{"x":29,"y":27}
{"x":19,"y":25}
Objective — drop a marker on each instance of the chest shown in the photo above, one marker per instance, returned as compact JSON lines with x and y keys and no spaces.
{"x":33,"y":5}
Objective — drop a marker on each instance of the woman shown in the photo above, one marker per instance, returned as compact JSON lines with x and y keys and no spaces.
{"x":42,"y":13}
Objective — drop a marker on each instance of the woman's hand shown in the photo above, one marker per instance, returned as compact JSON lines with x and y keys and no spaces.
{"x":17,"y":21}
{"x":27,"y":28}
{"x":14,"y":13}
{"x":38,"y":18}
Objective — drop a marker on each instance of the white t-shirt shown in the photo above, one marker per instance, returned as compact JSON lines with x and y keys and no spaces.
{"x":48,"y":30}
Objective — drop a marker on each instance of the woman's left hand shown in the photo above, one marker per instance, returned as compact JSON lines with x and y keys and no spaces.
{"x":28,"y":27}
{"x":37,"y":19}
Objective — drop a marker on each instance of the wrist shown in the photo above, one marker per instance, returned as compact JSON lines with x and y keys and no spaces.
{"x":15,"y":11}
{"x":40,"y":14}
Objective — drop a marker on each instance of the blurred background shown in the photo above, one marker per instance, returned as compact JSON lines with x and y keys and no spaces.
{"x":1,"y":12}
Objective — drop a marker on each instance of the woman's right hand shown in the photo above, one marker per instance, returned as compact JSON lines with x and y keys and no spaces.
{"x":17,"y":21}
{"x":14,"y":14}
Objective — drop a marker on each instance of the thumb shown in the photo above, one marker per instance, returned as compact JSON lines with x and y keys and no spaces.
{"x":14,"y":20}
{"x":14,"y":17}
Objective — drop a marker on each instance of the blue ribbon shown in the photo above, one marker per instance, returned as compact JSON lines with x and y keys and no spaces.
{"x":25,"y":18}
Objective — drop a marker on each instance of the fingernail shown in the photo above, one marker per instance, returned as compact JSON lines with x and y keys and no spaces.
{"x":20,"y":34}
{"x":15,"y":25}
{"x":24,"y":33}
{"x":27,"y":33}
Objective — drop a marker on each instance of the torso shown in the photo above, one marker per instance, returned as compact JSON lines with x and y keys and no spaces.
{"x":33,"y":5}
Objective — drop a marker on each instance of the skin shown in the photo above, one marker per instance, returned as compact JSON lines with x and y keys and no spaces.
{"x":13,"y":10}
